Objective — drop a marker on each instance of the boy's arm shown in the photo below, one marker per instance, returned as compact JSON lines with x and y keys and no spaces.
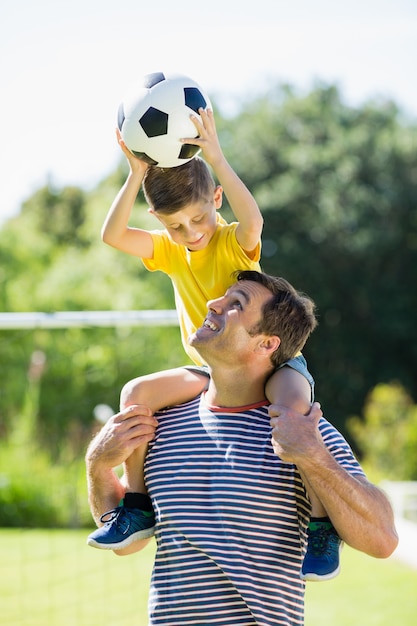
{"x":241,"y":201}
{"x":243,"y":205}
{"x":115,"y":231}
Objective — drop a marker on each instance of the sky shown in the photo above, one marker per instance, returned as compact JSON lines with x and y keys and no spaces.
{"x":65,"y":67}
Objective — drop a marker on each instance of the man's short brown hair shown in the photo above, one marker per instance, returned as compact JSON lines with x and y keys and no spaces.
{"x":289,"y":314}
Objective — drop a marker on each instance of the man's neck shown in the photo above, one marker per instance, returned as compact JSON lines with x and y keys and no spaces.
{"x":229,"y":388}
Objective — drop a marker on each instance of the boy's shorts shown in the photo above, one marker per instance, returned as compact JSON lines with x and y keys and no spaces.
{"x":298,"y":363}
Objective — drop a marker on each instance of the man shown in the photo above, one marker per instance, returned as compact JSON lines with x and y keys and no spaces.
{"x":231,"y":506}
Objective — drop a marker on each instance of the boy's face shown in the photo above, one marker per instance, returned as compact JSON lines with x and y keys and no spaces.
{"x":195,"y":224}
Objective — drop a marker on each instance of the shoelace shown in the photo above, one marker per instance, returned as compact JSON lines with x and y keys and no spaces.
{"x":322,"y":541}
{"x":110,"y":516}
{"x":122,"y":523}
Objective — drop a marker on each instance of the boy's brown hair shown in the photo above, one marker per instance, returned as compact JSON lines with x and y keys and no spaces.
{"x":168,"y":190}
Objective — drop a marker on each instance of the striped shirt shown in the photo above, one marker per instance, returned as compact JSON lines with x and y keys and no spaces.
{"x":231,"y":518}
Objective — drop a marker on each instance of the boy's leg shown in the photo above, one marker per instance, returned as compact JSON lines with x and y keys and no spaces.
{"x":134,"y":519}
{"x":157,"y":391}
{"x":293,"y":385}
{"x":165,"y":388}
{"x":322,"y":558}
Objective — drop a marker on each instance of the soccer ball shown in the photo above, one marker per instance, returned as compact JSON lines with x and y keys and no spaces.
{"x":156,"y":115}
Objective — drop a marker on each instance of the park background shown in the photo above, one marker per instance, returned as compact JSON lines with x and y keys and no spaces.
{"x":335,"y":176}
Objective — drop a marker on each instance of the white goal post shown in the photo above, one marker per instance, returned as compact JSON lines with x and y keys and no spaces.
{"x":81,"y":319}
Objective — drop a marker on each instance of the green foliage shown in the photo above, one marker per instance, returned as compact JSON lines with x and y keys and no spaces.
{"x":101,"y":361}
{"x":387,"y":434}
{"x":84,"y":366}
{"x":34,"y":491}
{"x":60,"y":214}
{"x":338,"y":189}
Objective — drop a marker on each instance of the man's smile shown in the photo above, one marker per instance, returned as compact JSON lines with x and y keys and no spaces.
{"x":211,"y":325}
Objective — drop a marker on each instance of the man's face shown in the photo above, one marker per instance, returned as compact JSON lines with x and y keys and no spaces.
{"x":226,"y":329}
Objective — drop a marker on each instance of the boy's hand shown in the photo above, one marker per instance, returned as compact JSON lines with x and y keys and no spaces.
{"x":207,"y":138}
{"x":135,"y":163}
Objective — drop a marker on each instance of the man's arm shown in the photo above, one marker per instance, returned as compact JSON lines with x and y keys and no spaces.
{"x":122,"y":433}
{"x":359,"y":510}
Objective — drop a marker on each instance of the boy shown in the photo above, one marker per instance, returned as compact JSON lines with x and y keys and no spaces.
{"x":201,"y":253}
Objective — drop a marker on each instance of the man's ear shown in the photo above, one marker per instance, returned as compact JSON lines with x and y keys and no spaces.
{"x":268,"y":344}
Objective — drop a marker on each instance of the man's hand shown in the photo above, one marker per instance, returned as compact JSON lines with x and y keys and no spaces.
{"x":295,"y":435}
{"x":124,"y":432}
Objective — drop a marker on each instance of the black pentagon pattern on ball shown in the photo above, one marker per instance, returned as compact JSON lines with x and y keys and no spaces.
{"x":188,"y":151}
{"x":154,"y":122}
{"x":194,"y":99}
{"x":144,"y":157}
{"x":150,"y":80}
{"x":120,"y":116}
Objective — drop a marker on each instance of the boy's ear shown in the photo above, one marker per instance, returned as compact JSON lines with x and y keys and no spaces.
{"x":154,"y":213}
{"x":218,"y":197}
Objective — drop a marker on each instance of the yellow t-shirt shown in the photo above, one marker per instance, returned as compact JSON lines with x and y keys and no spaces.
{"x":201,"y":275}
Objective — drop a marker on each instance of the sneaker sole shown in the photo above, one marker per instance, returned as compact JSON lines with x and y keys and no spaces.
{"x":141,"y":534}
{"x":314,"y":577}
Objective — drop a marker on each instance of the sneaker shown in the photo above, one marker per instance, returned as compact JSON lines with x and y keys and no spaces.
{"x":122,"y":527}
{"x":322,"y":559}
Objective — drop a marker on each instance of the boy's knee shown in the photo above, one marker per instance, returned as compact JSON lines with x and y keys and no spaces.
{"x":133,"y":392}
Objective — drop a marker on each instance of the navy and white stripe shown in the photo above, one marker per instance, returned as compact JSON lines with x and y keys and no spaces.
{"x":231,"y":519}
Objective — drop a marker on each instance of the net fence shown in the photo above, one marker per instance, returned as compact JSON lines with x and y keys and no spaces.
{"x":49,"y":576}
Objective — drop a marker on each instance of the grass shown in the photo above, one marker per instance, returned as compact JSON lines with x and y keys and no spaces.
{"x":367,"y":592}
{"x":51,"y":578}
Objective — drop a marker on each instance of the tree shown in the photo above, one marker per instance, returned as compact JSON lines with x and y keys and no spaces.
{"x":387,"y":433}
{"x":60,"y":213}
{"x":338,"y":188}
{"x":45,"y":270}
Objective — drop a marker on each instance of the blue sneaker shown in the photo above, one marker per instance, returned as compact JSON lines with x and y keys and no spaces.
{"x":322,"y":559}
{"x":122,"y":527}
